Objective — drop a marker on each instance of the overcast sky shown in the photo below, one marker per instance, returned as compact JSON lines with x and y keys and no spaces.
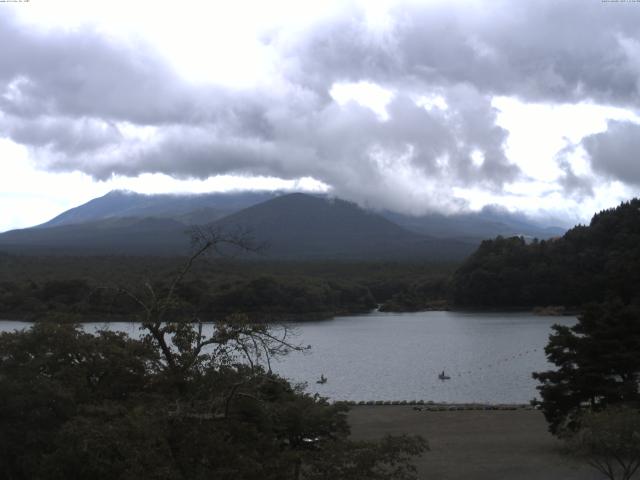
{"x":408,"y":106}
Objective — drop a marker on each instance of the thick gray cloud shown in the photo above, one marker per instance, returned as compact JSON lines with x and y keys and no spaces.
{"x":80,"y":74}
{"x":615,"y":153}
{"x":547,"y":50}
{"x":348,"y":147}
{"x":73,"y":97}
{"x":70,"y":135}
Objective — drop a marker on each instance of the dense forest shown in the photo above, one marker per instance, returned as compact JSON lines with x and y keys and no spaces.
{"x":588,"y":264}
{"x":174,"y":404}
{"x":80,"y":288}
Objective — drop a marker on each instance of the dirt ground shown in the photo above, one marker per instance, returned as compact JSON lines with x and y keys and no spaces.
{"x":475,"y":444}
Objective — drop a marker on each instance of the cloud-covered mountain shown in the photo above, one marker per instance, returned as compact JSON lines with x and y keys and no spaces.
{"x":291,"y":225}
{"x":487,"y":223}
{"x":188,"y":209}
{"x":304,"y":226}
{"x":80,"y":100}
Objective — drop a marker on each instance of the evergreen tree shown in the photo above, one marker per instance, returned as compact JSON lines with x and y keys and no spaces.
{"x":598,"y":364}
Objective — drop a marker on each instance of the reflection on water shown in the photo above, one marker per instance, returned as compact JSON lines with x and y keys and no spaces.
{"x":390,"y":356}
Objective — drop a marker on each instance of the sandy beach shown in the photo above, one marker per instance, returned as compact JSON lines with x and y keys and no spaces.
{"x":475,"y":444}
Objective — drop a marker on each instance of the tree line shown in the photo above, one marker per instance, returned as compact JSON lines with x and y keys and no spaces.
{"x":179,"y":403}
{"x":589,"y":263}
{"x":36,"y":288}
{"x":591,"y":398}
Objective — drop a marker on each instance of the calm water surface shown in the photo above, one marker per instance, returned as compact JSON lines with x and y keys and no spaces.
{"x":391,"y":356}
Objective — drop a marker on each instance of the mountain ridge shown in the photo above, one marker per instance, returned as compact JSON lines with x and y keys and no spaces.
{"x":123,"y":203}
{"x":336,"y":228}
{"x":296,"y":225}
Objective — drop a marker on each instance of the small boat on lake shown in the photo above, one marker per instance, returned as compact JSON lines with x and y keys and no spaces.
{"x":323,"y":379}
{"x":444,"y":376}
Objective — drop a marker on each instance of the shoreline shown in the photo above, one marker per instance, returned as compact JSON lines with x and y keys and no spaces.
{"x":431,"y":406}
{"x":549,"y":311}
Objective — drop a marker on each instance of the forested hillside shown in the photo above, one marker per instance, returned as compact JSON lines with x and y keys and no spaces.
{"x":81,"y":288}
{"x":587,"y":264}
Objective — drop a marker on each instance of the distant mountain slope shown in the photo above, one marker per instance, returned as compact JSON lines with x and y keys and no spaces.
{"x":587,"y":264}
{"x":294,"y":226}
{"x":191,"y":209}
{"x":487,"y":223}
{"x":300,"y":225}
{"x":130,"y":236}
{"x":199,"y":209}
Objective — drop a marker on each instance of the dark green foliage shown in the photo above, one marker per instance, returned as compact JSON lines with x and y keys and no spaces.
{"x":609,"y":441}
{"x":268,"y":295}
{"x":180,"y":403}
{"x":64,"y":291}
{"x":598,"y":363}
{"x":49,"y":375}
{"x":74,"y":287}
{"x":363,"y":460}
{"x":424,"y":293}
{"x":77,"y":406}
{"x":587,"y":264}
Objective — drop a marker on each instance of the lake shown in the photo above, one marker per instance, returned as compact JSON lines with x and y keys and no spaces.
{"x":398,"y":356}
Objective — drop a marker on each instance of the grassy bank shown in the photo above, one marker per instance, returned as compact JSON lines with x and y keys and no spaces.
{"x":475,"y":444}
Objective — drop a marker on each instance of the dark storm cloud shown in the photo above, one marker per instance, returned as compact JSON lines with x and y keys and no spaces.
{"x":348,"y":147}
{"x":80,"y":73}
{"x":72,"y":136}
{"x":615,"y":153}
{"x":547,"y":50}
{"x":83,"y":74}
{"x":73,"y":97}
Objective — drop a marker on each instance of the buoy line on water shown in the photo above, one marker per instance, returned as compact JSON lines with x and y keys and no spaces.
{"x":432,"y":406}
{"x":495,"y":363}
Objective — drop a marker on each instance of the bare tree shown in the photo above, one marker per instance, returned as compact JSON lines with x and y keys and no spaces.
{"x":182,"y":342}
